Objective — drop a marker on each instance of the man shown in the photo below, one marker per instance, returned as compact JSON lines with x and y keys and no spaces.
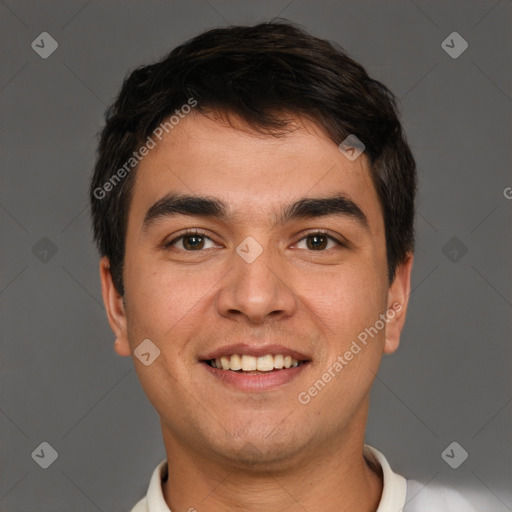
{"x":253,"y":203}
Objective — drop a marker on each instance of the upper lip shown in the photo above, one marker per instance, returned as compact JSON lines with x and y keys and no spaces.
{"x":256,"y":351}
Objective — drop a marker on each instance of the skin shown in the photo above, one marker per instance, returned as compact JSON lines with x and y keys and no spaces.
{"x":229,"y":449}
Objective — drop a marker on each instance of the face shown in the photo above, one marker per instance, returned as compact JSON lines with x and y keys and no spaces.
{"x":251,"y":282}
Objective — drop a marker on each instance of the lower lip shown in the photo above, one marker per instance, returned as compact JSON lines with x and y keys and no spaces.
{"x":256,"y":382}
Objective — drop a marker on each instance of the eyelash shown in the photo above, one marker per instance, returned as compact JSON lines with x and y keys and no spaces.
{"x":203,"y":234}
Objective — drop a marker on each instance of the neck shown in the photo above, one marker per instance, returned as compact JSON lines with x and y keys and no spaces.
{"x":331,"y":477}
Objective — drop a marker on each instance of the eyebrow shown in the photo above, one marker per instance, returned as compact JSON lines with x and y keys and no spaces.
{"x":213,"y":207}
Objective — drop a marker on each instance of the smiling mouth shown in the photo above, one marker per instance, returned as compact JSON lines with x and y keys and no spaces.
{"x":254,"y":365}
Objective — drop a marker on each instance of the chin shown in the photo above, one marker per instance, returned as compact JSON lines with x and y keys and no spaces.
{"x":260,"y":452}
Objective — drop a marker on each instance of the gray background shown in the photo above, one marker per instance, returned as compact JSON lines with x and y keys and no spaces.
{"x":60,"y":380}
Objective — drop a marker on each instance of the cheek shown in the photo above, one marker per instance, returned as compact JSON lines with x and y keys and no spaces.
{"x":347,"y":301}
{"x":163,"y":299}
{"x":347,"y":298}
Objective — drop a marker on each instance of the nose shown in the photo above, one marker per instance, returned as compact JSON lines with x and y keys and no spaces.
{"x":258,"y":291}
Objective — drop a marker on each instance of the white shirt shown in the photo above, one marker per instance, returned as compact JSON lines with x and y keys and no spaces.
{"x":398,"y":494}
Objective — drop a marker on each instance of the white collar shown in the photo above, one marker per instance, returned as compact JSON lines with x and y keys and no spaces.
{"x":394,"y":490}
{"x":392,"y":500}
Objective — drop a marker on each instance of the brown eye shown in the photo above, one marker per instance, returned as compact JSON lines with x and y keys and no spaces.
{"x":190,"y":242}
{"x":319,"y":241}
{"x":316,"y":242}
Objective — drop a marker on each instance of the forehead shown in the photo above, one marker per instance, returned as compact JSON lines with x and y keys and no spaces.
{"x":252,"y":173}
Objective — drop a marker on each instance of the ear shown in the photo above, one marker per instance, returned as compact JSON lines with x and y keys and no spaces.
{"x":398,"y":299}
{"x":115,"y":309}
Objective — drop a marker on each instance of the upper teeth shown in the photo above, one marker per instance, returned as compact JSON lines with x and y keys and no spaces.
{"x":248,"y":363}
